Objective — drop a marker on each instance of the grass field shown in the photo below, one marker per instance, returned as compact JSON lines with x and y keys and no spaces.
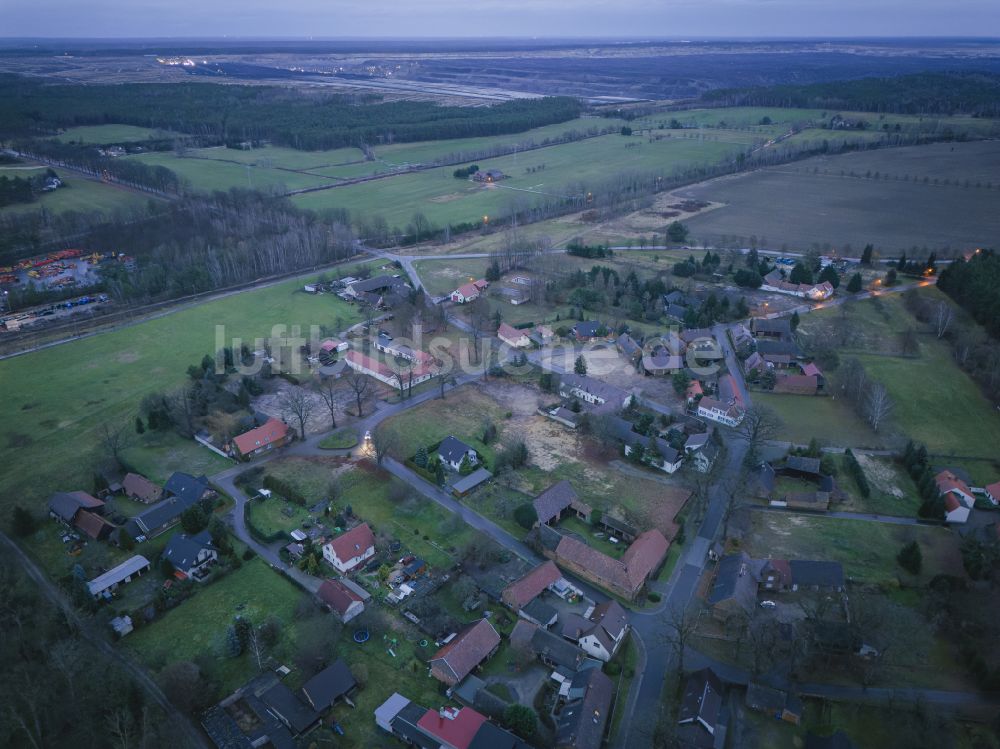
{"x":79,"y":194}
{"x":568,"y":168}
{"x":253,"y":591}
{"x":110,"y":134}
{"x":810,"y":204}
{"x":341,"y":439}
{"x":269,"y":515}
{"x":57,"y":398}
{"x":830,"y":421}
{"x":866,"y":549}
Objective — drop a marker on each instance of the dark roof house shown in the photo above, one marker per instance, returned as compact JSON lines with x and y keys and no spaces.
{"x":581,"y":723}
{"x":331,"y":684}
{"x":701,"y":710}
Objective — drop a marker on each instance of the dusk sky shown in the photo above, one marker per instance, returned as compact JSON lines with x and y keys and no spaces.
{"x":516,"y":18}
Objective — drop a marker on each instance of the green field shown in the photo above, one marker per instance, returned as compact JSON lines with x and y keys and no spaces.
{"x":568,"y":169}
{"x":196,"y":629}
{"x":866,"y":549}
{"x":341,"y":439}
{"x":110,"y":134}
{"x":830,"y":421}
{"x":57,"y":398}
{"x":78,"y":194}
{"x":270,"y":517}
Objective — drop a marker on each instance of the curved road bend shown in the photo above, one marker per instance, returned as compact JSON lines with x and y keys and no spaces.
{"x":193,"y":736}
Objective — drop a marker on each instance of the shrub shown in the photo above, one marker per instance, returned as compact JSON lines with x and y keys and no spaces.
{"x":910,"y":558}
{"x":654,"y":597}
{"x":525,"y":515}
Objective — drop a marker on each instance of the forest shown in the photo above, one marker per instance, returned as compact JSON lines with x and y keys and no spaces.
{"x":973,"y":285}
{"x":922,"y":93}
{"x":284,"y":117}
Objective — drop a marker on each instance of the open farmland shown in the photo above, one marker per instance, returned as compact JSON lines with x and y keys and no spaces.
{"x":77,"y":193}
{"x":54,"y":408}
{"x":556,"y":171}
{"x":894,"y":198}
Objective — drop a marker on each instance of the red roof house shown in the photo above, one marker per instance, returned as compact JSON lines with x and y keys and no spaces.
{"x":451,"y":726}
{"x":350,"y":549}
{"x":521,"y":592}
{"x":274,"y":433}
{"x":465,"y":652}
{"x":343,"y":601}
{"x":993,"y":492}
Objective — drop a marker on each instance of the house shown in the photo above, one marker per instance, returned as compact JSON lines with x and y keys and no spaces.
{"x":469,"y":292}
{"x":694,"y":392}
{"x":421,"y":359}
{"x":540,"y":613}
{"x":191,"y":555}
{"x":122,"y":625}
{"x":796,"y":384}
{"x":676,"y":312}
{"x":447,"y":728}
{"x":554,"y":501}
{"x":512,"y":336}
{"x":696,"y":442}
{"x":669,"y":459}
{"x":273,"y":433}
{"x":160,"y":517}
{"x":63,"y":506}
{"x":811,"y":370}
{"x":754,"y":362}
{"x":816,"y":575}
{"x":734,"y":587}
{"x":141,"y":489}
{"x":543,"y":335}
{"x":594,"y":392}
{"x":350,"y":549}
{"x":619,"y":528}
{"x":778,"y":327}
{"x":729,"y":414}
{"x":364,"y":364}
{"x":548,"y":647}
{"x":93,"y":525}
{"x":775,"y":348}
{"x":582,"y":722}
{"x":602,"y":633}
{"x":993,"y":492}
{"x":329,"y":686}
{"x":296,"y":716}
{"x":380,"y":291}
{"x":588,"y":330}
{"x":121,"y":575}
{"x":464,"y":653}
{"x":453,"y":451}
{"x":660,"y":361}
{"x":188,"y":488}
{"x":490,"y":175}
{"x":775,"y":281}
{"x":333,"y":346}
{"x":772,"y":702}
{"x":628,"y":348}
{"x":958,"y":497}
{"x":625,"y":576}
{"x":701,"y":712}
{"x":523,"y":591}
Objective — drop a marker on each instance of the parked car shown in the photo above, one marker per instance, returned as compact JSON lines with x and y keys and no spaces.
{"x":768,"y":605}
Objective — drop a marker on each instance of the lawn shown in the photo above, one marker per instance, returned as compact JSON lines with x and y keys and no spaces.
{"x":439,"y":277}
{"x":83,"y":195}
{"x":339,"y":439}
{"x":254,"y":591}
{"x":866,"y":549}
{"x":892,"y":491}
{"x":830,"y":421}
{"x":110,"y":134}
{"x":219,"y":172}
{"x":58,"y":398}
{"x":276,"y":515}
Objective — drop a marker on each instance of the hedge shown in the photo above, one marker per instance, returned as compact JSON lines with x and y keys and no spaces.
{"x":286,"y":490}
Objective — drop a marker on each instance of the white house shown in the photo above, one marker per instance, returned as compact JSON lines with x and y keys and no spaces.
{"x":601,"y":634}
{"x":955,"y":510}
{"x":191,"y":555}
{"x":351,"y":549}
{"x":993,"y":492}
{"x":593,"y":391}
{"x":468,"y":292}
{"x":343,"y":601}
{"x":333,"y":345}
{"x":729,"y":414}
{"x":512,"y":336}
{"x":383,"y":373}
{"x":452,"y":450}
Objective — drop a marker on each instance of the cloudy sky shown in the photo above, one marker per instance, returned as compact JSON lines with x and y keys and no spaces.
{"x":518,"y":18}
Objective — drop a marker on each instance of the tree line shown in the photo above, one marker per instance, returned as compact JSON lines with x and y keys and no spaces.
{"x":255,"y":113}
{"x":921,"y":93}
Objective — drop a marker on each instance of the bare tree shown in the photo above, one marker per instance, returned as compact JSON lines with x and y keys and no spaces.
{"x":479,"y":318}
{"x":362,"y":386}
{"x":115,"y":439}
{"x":296,"y":403}
{"x":445,"y":379}
{"x":943,"y":315}
{"x":119,"y":724}
{"x":877,"y":404}
{"x":384,"y":440}
{"x":328,"y":388}
{"x":256,"y":646}
{"x":682,"y":623}
{"x":184,"y":409}
{"x":759,"y":425}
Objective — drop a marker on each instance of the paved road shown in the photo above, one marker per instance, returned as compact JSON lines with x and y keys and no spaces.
{"x":192,"y":735}
{"x":867,"y":517}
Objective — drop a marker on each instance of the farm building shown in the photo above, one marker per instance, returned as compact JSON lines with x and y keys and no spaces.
{"x":489,"y":176}
{"x":120,"y":575}
{"x":466,"y":651}
{"x":274,"y":433}
{"x":141,"y":489}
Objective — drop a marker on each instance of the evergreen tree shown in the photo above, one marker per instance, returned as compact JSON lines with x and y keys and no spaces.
{"x":866,"y":255}
{"x":421,"y":457}
{"x":23,"y":522}
{"x":794,"y":322}
{"x":139,"y":426}
{"x":580,"y":366}
{"x":801,"y":274}
{"x":829,"y":273}
{"x":854,"y":285}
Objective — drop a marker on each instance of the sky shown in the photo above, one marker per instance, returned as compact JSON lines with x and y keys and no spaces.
{"x":492,"y":18}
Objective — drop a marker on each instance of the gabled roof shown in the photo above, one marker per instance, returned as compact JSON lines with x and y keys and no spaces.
{"x":948,"y":482}
{"x":588,"y":328}
{"x":163,"y":513}
{"x":490,"y":736}
{"x":777,"y":325}
{"x":186,"y":486}
{"x":771,"y":348}
{"x":93,"y":524}
{"x":507,"y":333}
{"x":555,"y":649}
{"x":796,"y":384}
{"x":452,"y":727}
{"x":116,"y":574}
{"x":378,"y":283}
{"x":293,"y":711}
{"x":702,"y":700}
{"x":66,"y":504}
{"x":520,"y":592}
{"x":329,"y":685}
{"x":811,"y":369}
{"x":803,"y":464}
{"x":993,"y":490}
{"x":182,"y":551}
{"x":139,"y":486}
{"x":603,"y":390}
{"x":611,"y":617}
{"x":453,"y":449}
{"x":353,"y":543}
{"x":471,"y":646}
{"x":644,"y":555}
{"x":274,"y":430}
{"x":822,"y":574}
{"x":628,"y":345}
{"x":554,"y":500}
{"x":467,"y":290}
{"x":581,"y":723}
{"x":628,"y":573}
{"x":337,"y":596}
{"x":734,"y":580}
